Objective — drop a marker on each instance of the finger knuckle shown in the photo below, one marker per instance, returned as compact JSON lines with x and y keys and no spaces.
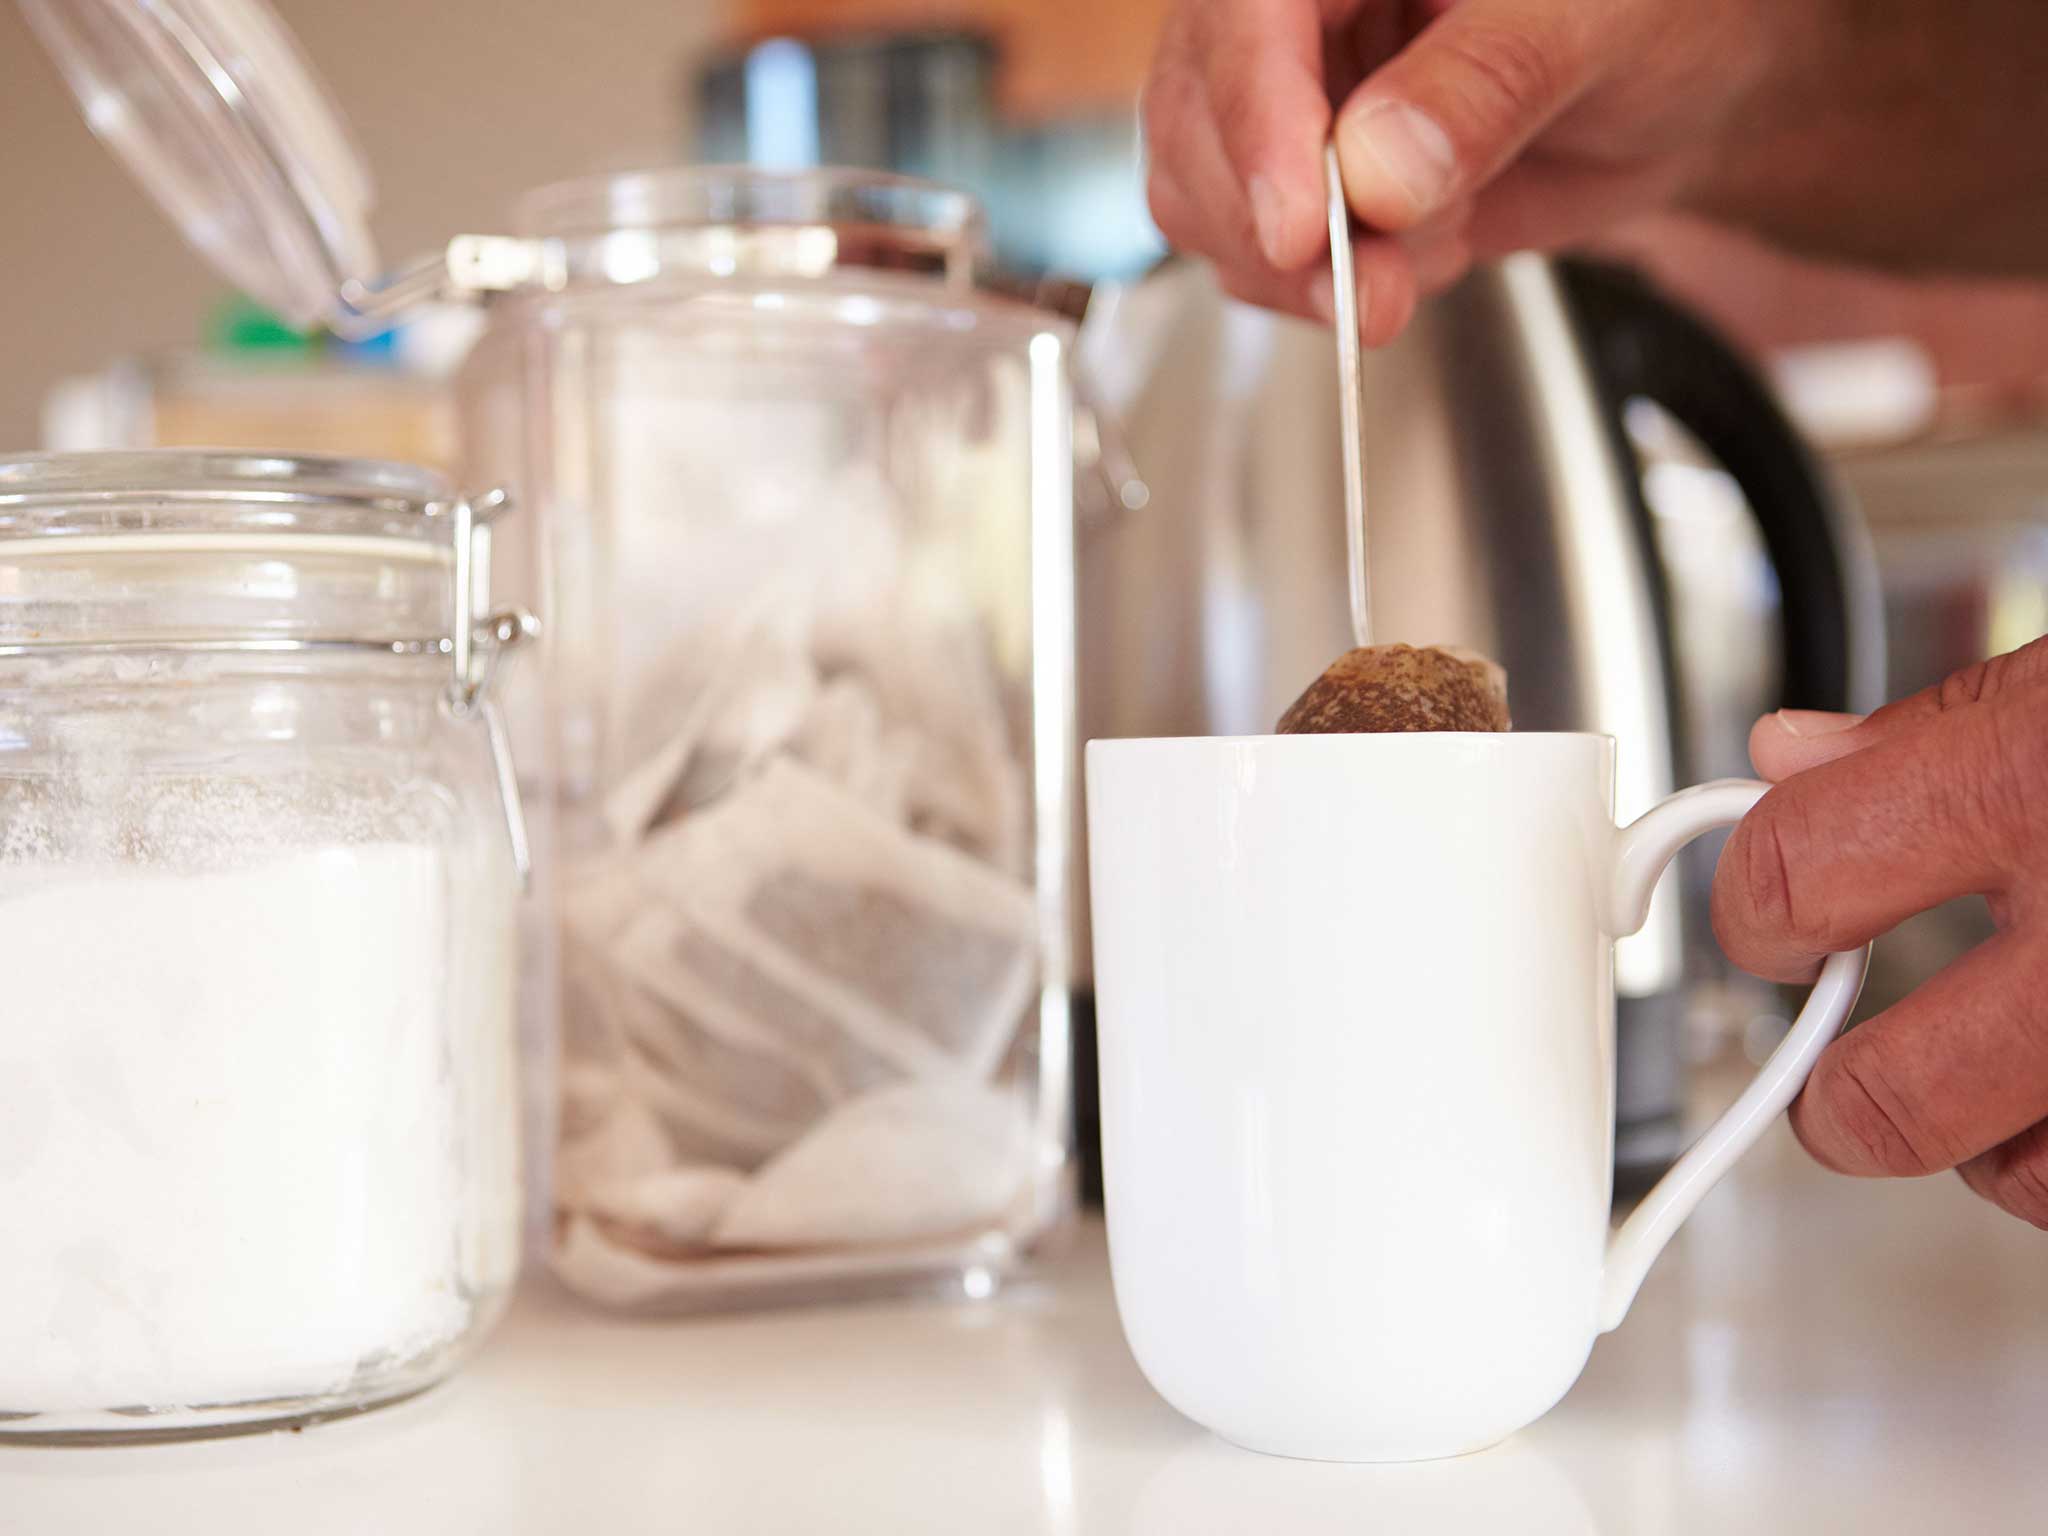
{"x":1391,"y":305}
{"x":1514,"y":70}
{"x":1961,"y":689}
{"x":1995,"y":677}
{"x":1169,"y":101}
{"x":2014,"y":775}
{"x":1770,"y":852}
{"x":2014,"y":670}
{"x":1952,"y":800}
{"x":1983,"y":791}
{"x":2018,"y":1181}
{"x":1155,"y":118}
{"x":1235,"y":105}
{"x":1767,"y":877}
{"x":1245,"y":288}
{"x":1854,"y":1094}
{"x":1165,"y":204}
{"x":2029,"y":664}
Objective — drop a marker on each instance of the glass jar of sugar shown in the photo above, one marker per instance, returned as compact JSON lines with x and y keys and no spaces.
{"x":259,"y":868}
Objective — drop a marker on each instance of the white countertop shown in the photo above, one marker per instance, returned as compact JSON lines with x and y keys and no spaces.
{"x":1813,"y":1355}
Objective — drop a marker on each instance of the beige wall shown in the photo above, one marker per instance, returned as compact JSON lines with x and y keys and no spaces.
{"x":459,"y":104}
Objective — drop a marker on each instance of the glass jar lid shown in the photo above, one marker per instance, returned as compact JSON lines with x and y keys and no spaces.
{"x":741,"y":220}
{"x":218,"y":116}
{"x":196,"y":549}
{"x":179,"y":550}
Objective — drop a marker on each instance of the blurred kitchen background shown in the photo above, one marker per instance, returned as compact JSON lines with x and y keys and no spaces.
{"x":1926,"y":401}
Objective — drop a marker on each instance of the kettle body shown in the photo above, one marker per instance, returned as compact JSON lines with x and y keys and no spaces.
{"x":1506,"y":513}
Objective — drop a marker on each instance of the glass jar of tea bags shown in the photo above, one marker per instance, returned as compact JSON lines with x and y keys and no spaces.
{"x":805,"y":510}
{"x":258,"y":849}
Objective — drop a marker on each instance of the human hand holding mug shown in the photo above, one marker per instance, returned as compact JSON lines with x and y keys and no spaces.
{"x":1357,"y":1051}
{"x":1933,"y":797}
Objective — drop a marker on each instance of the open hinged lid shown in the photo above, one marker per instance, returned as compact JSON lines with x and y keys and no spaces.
{"x":219,"y":117}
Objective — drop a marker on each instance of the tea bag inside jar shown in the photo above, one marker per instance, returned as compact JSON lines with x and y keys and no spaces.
{"x":935,"y":682}
{"x":1387,"y":688}
{"x":736,"y":692}
{"x":845,"y":738}
{"x":889,"y":953}
{"x":803,"y":951}
{"x":914,"y":1161}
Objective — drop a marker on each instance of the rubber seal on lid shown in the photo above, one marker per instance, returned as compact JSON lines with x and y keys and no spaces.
{"x":219,"y":117}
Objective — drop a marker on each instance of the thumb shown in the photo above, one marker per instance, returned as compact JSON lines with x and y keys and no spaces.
{"x":1795,"y":740}
{"x":1460,"y":101}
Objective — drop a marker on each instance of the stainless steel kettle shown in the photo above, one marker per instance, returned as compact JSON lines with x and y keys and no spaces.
{"x":1507,"y":514}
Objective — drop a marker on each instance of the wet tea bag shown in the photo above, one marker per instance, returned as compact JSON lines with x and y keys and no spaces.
{"x":915,"y":1161}
{"x":913,"y":952}
{"x":1381,"y":688}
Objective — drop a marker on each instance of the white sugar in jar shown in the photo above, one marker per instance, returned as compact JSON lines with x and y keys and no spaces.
{"x":258,"y":891}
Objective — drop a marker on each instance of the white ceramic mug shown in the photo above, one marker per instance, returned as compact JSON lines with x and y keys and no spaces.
{"x":1356,"y":1005}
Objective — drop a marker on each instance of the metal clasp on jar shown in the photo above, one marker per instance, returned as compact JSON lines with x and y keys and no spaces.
{"x":475,"y":646}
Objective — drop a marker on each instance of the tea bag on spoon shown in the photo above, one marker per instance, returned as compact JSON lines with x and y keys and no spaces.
{"x":1378,"y":688}
{"x":1402,"y":688}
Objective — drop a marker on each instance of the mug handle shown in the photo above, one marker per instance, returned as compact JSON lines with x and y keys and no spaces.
{"x":1642,"y":849}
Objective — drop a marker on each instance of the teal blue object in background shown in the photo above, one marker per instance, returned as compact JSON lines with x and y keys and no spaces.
{"x":238,"y":325}
{"x":1068,"y":200}
{"x":381,"y":349}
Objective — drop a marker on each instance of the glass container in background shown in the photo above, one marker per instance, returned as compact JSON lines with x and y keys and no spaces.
{"x":799,"y":510}
{"x":805,"y":499}
{"x":258,"y":1115}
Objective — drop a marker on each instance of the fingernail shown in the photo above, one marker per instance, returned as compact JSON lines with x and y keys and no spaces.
{"x":1815,"y":722}
{"x":1322,"y":297}
{"x":1409,"y":148}
{"x":1267,"y":216}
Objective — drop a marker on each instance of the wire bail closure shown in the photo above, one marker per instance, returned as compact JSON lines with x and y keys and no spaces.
{"x":475,"y":645}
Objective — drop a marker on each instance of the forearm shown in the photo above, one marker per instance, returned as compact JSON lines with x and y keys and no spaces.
{"x":1906,"y":133}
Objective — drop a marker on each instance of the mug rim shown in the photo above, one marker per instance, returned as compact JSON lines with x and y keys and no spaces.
{"x":1410,"y":740}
